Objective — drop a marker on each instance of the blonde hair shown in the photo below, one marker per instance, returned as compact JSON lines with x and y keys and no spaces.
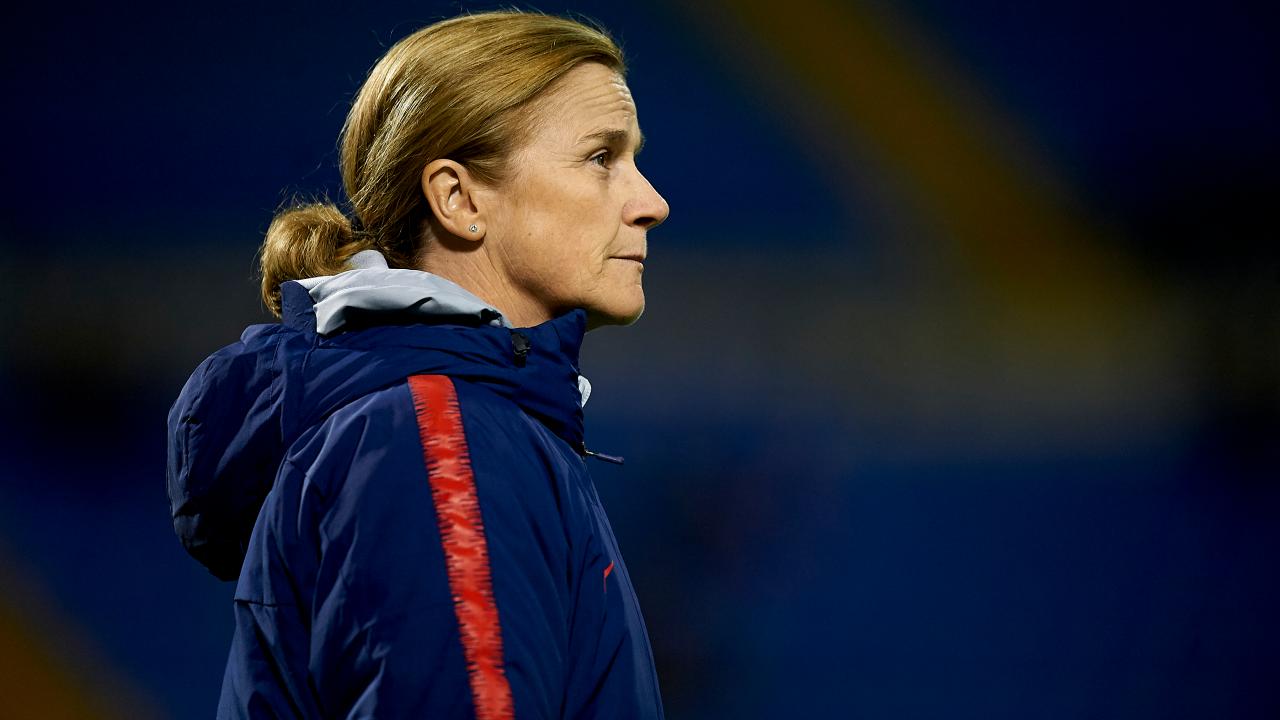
{"x":457,"y":89}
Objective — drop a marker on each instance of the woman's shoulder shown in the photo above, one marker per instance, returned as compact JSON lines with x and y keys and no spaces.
{"x":380,"y":446}
{"x":385,"y":429}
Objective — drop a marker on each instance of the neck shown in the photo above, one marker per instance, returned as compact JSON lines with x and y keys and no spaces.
{"x":477,"y":273}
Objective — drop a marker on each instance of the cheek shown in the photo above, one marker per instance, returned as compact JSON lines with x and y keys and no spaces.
{"x":581,"y":240}
{"x":567,"y":232}
{"x":562,"y":263}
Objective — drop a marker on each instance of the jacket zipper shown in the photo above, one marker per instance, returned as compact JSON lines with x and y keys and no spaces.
{"x":615,"y":459}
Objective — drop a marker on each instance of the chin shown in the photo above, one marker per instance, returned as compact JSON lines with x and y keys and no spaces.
{"x":615,"y":313}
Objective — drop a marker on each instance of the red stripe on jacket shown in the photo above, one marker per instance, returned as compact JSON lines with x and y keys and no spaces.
{"x":466,"y":552}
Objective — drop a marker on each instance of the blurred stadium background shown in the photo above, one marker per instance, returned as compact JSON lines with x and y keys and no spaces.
{"x":958,"y":394}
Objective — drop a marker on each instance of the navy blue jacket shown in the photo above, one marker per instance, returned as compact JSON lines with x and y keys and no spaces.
{"x":413,"y":528}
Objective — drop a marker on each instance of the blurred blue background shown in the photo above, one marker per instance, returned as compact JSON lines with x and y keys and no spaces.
{"x":957,"y":395}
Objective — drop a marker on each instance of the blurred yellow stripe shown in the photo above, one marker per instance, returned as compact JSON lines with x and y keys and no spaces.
{"x":968,"y":179}
{"x":47,"y":672}
{"x":32,"y":684}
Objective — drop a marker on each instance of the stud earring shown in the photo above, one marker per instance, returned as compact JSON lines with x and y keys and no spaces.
{"x":473,"y":228}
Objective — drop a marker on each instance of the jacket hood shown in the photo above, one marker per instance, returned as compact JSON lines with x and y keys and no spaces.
{"x":340,"y":338}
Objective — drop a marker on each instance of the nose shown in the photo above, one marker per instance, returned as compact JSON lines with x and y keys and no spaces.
{"x":647,"y":208}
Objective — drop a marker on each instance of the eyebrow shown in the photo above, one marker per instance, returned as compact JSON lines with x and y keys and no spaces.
{"x":612,"y":136}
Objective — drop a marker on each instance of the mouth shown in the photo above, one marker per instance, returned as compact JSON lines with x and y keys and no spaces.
{"x":636,"y":257}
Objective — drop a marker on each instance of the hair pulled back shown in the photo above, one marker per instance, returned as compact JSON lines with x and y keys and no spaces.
{"x":457,"y":89}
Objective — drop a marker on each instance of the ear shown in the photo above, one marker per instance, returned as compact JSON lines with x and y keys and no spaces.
{"x":453,"y":195}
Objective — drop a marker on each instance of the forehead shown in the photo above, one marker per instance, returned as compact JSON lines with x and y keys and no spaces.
{"x":588,"y":98}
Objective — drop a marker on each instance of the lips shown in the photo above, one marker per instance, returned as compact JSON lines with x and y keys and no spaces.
{"x":637,"y":257}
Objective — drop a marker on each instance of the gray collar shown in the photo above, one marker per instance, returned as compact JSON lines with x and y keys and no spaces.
{"x":371,"y":286}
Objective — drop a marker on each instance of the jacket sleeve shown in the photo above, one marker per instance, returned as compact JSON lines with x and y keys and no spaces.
{"x":368,"y":591}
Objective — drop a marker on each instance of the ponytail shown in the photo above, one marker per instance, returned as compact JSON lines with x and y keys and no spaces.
{"x":305,"y":241}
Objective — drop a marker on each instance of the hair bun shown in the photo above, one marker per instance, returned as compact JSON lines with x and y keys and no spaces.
{"x":305,"y":241}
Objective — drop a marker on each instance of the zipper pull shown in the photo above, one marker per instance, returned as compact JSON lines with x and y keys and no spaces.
{"x":520,"y":345}
{"x":615,"y":459}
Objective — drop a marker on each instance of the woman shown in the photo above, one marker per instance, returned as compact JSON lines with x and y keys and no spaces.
{"x":396,"y":474}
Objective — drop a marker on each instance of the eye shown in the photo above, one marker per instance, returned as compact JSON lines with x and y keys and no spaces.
{"x":602,"y":158}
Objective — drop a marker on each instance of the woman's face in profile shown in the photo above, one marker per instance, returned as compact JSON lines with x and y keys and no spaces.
{"x":570,"y":223}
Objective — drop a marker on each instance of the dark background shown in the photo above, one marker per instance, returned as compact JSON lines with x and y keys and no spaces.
{"x":958,"y":393}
